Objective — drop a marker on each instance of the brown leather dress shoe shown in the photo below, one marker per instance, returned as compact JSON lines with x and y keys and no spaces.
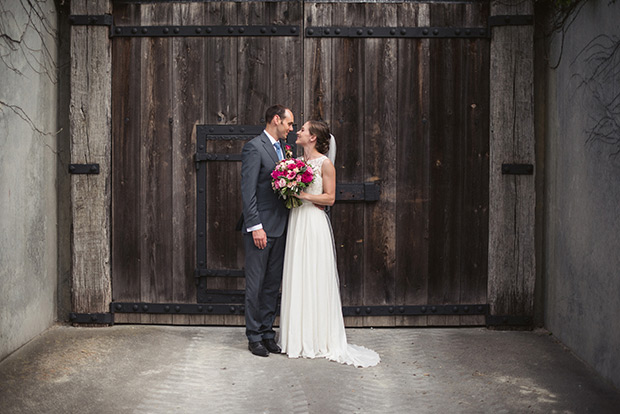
{"x":272,"y":346}
{"x":257,"y":348}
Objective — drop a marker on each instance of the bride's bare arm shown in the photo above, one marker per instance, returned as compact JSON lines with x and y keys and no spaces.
{"x":329,"y":187}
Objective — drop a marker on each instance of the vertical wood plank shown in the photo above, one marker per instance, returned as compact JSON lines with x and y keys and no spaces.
{"x":512,"y":199}
{"x":156,"y":270}
{"x":90,"y":134}
{"x":221,"y":76}
{"x":474,"y":239}
{"x":348,"y":126}
{"x":254,"y":83}
{"x":318,"y":61}
{"x":412,"y":205}
{"x":222,"y":101}
{"x":286,"y":58}
{"x":187,"y":84}
{"x":447,"y":143}
{"x":126,"y":175}
{"x":380,"y":145}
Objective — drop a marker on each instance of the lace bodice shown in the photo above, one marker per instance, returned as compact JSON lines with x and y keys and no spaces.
{"x":317,"y":185}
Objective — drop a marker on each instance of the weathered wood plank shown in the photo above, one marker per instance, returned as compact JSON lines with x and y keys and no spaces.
{"x":90,"y":133}
{"x":448,"y":142}
{"x":221,"y":107}
{"x":347,"y":125}
{"x":318,"y":61}
{"x":221,"y":61}
{"x":286,"y":59}
{"x":412,"y":205}
{"x":512,"y":199}
{"x":254,"y":95}
{"x":380,"y":146}
{"x":254,"y":83}
{"x":187,"y":86}
{"x":156,"y":160}
{"x":476,"y":178}
{"x":126,"y":206}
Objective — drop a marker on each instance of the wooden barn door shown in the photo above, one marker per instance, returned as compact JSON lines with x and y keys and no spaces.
{"x":165,"y":84}
{"x":405,"y":88}
{"x":410,"y":116}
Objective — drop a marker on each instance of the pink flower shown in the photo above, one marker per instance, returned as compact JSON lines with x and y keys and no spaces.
{"x":289,"y":177}
{"x":306,"y":177}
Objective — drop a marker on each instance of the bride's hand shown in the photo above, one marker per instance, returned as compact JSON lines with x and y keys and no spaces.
{"x":302,"y":195}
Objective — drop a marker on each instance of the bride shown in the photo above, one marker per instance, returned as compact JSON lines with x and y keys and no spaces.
{"x":311,"y":322}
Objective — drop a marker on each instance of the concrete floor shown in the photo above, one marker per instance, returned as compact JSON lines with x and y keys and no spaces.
{"x":163,"y":369}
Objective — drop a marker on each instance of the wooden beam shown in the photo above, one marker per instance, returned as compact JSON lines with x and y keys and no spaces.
{"x":90,"y":132}
{"x":512,"y":198}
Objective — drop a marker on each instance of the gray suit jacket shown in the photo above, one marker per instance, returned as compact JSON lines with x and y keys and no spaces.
{"x":260,"y":202}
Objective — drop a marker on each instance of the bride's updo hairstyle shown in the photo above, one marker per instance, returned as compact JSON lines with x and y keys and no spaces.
{"x":321,"y":131}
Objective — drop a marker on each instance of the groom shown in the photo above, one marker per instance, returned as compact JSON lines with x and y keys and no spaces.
{"x":264,"y":230}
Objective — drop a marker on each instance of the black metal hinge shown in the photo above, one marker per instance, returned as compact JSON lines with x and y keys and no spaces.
{"x":509,"y":320}
{"x":91,"y":20}
{"x":397,"y":32}
{"x":420,"y":32}
{"x":236,"y":307}
{"x":83,"y":168}
{"x":202,"y":272}
{"x":203,"y":31}
{"x":177,"y":308}
{"x":357,"y":192}
{"x":511,"y":20}
{"x":211,"y":156}
{"x":518,"y":169}
{"x":92,"y":318}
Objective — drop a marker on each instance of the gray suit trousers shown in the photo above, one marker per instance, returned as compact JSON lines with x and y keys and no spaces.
{"x":263,"y":277}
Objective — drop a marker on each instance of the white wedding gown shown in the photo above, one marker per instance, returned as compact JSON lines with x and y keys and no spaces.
{"x":311,"y":322}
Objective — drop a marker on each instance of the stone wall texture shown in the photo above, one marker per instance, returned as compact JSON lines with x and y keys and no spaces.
{"x":581,"y":230}
{"x":28,"y":170}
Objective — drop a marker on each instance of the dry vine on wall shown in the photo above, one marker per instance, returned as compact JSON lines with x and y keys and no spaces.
{"x":599,"y":63}
{"x":601,"y":57}
{"x":28,"y":41}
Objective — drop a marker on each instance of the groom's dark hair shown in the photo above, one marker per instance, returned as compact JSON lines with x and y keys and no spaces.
{"x":273,"y":111}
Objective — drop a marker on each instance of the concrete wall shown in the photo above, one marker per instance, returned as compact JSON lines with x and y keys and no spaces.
{"x":581,"y":240}
{"x":28,"y":171}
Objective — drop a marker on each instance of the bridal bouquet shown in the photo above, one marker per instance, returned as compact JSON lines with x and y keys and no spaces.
{"x":290,"y":177}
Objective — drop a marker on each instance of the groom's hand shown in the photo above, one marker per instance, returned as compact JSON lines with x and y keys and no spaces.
{"x":260,"y":238}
